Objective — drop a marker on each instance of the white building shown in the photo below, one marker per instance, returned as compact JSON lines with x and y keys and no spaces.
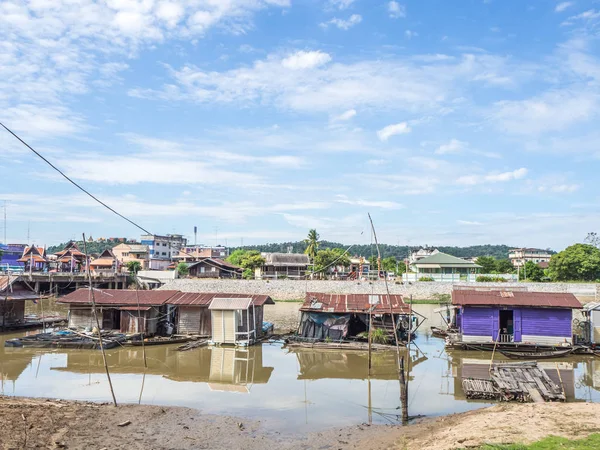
{"x":162,"y":249}
{"x":416,"y":255}
{"x":519,"y":256}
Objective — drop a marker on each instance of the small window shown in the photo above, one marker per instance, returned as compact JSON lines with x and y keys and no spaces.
{"x":213,"y":269}
{"x":164,"y":253}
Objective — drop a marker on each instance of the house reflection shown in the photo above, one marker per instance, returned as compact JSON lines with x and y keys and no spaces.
{"x":477,"y":365}
{"x":323,"y":364}
{"x":13,"y":363}
{"x":223,"y":368}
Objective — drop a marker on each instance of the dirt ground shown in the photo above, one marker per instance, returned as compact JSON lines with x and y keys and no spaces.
{"x":38,"y":423}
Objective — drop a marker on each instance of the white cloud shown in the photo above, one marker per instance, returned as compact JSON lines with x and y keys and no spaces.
{"x":401,"y":83}
{"x":392,"y":130}
{"x":343,"y":24}
{"x":468,"y":222}
{"x":550,"y":112}
{"x":377,"y":162}
{"x":346,"y":115}
{"x":382,"y":204}
{"x":305,"y":60}
{"x":560,"y":188}
{"x":454,"y":146}
{"x":396,"y":10}
{"x":410,"y":34}
{"x":562,"y":6}
{"x":341,"y":4}
{"x":471,"y":180}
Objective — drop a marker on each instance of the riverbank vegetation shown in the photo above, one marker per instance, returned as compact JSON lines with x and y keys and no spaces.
{"x":552,"y":443}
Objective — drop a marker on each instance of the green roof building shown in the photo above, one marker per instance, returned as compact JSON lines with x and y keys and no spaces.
{"x":442,"y":266}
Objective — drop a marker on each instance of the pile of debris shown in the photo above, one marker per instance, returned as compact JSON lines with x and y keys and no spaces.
{"x":521,"y":382}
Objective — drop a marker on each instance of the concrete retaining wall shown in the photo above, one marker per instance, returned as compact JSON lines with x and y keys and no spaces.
{"x":292,"y":289}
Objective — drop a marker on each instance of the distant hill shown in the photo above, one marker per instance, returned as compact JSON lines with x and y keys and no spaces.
{"x":399,"y":251}
{"x":92,"y":247}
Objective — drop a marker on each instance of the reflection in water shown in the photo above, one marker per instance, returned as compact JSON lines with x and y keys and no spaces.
{"x":296,"y":390}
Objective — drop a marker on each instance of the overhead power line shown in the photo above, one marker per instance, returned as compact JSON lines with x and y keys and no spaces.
{"x":73,"y":182}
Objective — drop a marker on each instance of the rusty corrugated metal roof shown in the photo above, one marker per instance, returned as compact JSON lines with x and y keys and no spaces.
{"x":12,"y":288}
{"x":135,"y":308}
{"x":230,"y":303}
{"x":515,"y":298}
{"x":352,"y":303}
{"x":204,"y":298}
{"x":118,"y":297}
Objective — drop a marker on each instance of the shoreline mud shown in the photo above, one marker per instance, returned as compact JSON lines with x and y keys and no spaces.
{"x":45,"y":423}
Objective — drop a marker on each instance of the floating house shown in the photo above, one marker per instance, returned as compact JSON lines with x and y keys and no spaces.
{"x":514,"y":317}
{"x":237,"y":320}
{"x":13,"y":295}
{"x":340,"y":316}
{"x":192,"y":314}
{"x":129,"y":311}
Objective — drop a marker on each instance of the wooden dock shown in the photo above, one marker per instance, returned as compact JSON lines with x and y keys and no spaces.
{"x":522,"y":382}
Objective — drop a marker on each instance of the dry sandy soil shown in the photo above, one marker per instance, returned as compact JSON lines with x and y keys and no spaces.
{"x":37,"y":423}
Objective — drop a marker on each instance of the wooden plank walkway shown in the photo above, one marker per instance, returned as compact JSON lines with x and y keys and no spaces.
{"x":522,"y":382}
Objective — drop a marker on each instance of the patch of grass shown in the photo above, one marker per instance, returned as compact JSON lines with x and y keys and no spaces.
{"x":551,"y":443}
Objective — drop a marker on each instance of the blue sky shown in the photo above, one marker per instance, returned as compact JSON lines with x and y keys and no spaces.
{"x":452,"y":123}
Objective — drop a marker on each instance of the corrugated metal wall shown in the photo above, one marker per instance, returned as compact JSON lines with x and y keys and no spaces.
{"x":546,"y":322}
{"x":194,"y":320}
{"x":81,"y":318}
{"x":478,"y":321}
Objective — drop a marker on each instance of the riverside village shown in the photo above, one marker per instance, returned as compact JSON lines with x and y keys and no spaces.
{"x":297,"y":225}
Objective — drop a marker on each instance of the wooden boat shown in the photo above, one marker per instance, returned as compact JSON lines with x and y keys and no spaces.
{"x":536,"y":355}
{"x":438,"y":332}
{"x":159,"y":341}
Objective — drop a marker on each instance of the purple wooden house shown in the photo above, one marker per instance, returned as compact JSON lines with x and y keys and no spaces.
{"x":539,"y":318}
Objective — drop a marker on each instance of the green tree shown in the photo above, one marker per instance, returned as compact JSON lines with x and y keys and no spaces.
{"x":312,"y":244}
{"x":182,"y":269}
{"x":504,"y":266}
{"x":330,"y":257}
{"x":579,"y":262}
{"x":531,"y":271}
{"x":236,"y":257}
{"x":487,"y":263}
{"x":248,"y":274}
{"x":390,"y":264}
{"x":133,"y":266}
{"x":252,"y":260}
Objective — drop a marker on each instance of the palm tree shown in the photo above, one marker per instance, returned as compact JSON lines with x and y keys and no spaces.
{"x":312,"y":244}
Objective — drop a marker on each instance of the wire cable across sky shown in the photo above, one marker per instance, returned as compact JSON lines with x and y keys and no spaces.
{"x":73,"y":182}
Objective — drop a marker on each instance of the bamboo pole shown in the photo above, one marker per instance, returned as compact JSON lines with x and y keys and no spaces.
{"x":137,"y":297}
{"x":494,"y":350}
{"x":93,"y":300}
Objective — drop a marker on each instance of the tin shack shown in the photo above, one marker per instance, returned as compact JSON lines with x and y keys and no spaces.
{"x":237,"y":320}
{"x":514,"y":317}
{"x":192,"y":314}
{"x":126,"y":310}
{"x":340,"y":316}
{"x":13,"y":294}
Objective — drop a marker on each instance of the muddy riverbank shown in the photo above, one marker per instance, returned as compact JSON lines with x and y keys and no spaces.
{"x":31,"y":423}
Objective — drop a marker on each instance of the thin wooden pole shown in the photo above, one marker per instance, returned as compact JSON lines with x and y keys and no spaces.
{"x":137,"y":296}
{"x":494,"y":351}
{"x":93,"y":300}
{"x":562,"y":386}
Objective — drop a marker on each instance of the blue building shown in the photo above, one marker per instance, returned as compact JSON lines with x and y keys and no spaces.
{"x":10,"y":255}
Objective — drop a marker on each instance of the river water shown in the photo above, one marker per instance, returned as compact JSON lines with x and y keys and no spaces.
{"x":289,"y":391}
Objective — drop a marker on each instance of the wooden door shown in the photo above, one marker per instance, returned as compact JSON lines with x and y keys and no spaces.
{"x":230,"y":326}
{"x":218,"y":327}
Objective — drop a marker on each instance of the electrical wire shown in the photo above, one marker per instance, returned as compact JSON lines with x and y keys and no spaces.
{"x":73,"y":182}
